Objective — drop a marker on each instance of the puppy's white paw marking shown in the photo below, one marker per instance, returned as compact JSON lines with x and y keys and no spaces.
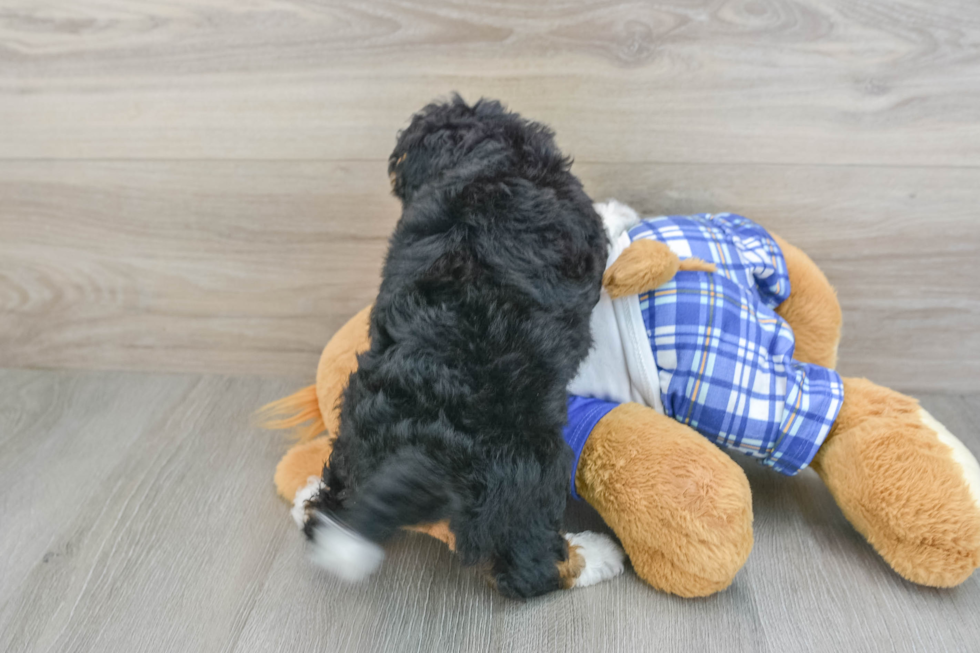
{"x":342,"y":552}
{"x":304,"y":494}
{"x":603,"y":557}
{"x":616,"y":217}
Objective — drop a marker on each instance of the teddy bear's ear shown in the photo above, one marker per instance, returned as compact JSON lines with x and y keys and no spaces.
{"x":644,"y":265}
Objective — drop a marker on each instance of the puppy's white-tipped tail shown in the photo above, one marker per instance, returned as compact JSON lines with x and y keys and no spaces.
{"x":342,"y":552}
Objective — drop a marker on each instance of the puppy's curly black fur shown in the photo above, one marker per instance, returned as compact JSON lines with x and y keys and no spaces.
{"x":456,"y":410}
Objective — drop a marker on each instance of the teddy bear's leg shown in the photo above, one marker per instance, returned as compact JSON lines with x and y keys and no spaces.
{"x":905,"y":483}
{"x":812,"y":309}
{"x":303,"y":460}
{"x":681,"y":507}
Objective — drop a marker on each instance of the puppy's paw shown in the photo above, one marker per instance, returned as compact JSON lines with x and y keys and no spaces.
{"x":603,"y":557}
{"x":300,"y":510}
{"x":342,"y":552}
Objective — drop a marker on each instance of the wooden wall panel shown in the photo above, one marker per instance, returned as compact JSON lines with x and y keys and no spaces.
{"x":248,"y":267}
{"x":200,"y":184}
{"x":764,"y":81}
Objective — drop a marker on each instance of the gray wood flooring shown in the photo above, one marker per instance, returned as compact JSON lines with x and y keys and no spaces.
{"x":137,"y":513}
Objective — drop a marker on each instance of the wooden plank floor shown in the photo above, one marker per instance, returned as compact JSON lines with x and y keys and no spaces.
{"x":200,"y":185}
{"x":137,"y":514}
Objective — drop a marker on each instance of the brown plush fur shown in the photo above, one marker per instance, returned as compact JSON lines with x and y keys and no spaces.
{"x":303,"y":460}
{"x":439,"y":530}
{"x":644,"y":265}
{"x":316,"y":408}
{"x":812,"y":309}
{"x":695,"y":264}
{"x":899,"y":486}
{"x":339,"y":359}
{"x":680,"y":506}
{"x":299,"y":412}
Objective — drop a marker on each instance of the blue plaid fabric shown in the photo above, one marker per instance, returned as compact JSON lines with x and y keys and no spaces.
{"x":725,"y":358}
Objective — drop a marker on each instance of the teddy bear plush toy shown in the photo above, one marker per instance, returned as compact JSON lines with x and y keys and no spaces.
{"x":712,"y":333}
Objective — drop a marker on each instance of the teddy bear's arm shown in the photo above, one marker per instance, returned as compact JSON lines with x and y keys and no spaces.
{"x":644,"y":265}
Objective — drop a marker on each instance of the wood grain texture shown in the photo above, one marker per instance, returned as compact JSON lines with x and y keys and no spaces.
{"x":764,"y":81}
{"x":236,"y":266}
{"x":249,"y":267}
{"x":199,"y":185}
{"x":141,"y":527}
{"x":138,"y":514}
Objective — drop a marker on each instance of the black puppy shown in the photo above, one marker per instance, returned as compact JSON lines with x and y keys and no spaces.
{"x":456,"y":410}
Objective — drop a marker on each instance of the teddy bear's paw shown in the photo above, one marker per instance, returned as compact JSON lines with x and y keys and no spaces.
{"x":603,"y":558}
{"x":300,"y":511}
{"x":968,"y":465}
{"x":906,"y":483}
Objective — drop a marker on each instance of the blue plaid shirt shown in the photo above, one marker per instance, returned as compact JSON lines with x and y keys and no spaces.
{"x":724,"y":357}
